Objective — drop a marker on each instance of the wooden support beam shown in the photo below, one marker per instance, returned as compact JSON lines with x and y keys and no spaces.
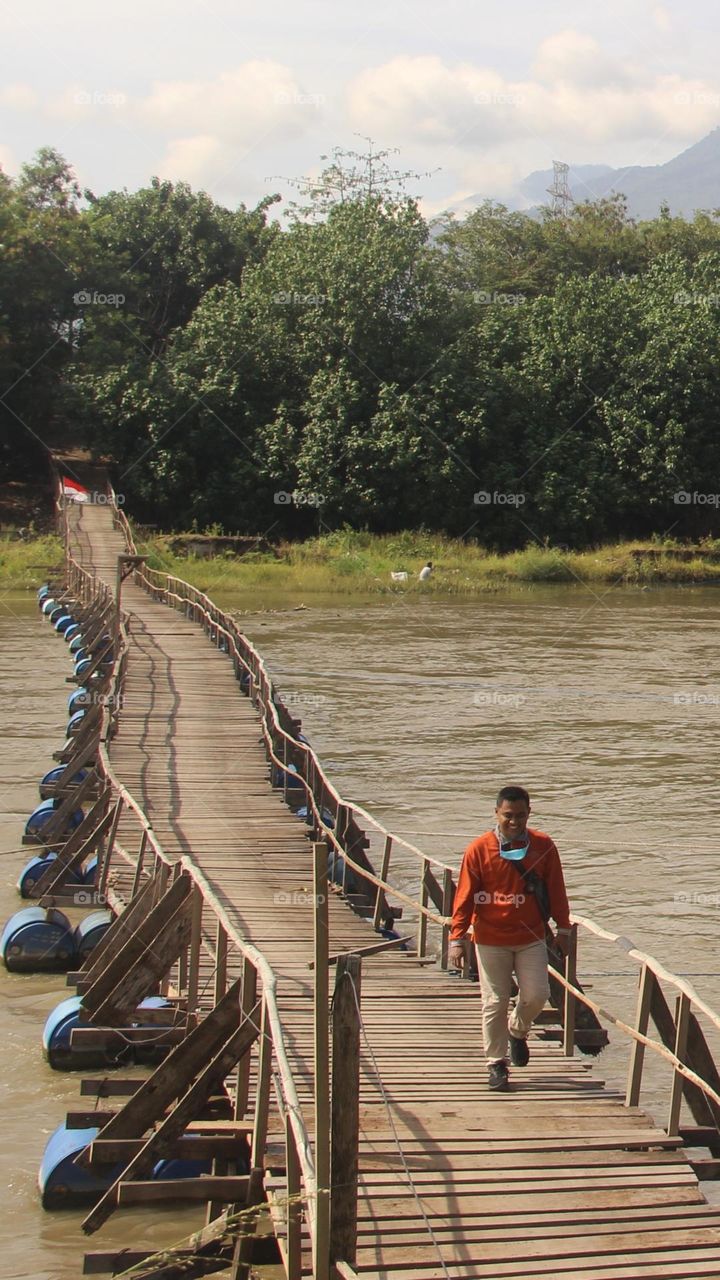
{"x":196,"y":1190}
{"x":160,"y":1142}
{"x":116,"y":937}
{"x":75,"y":852}
{"x":345,"y":1120}
{"x":199,"y":1146}
{"x":249,"y":997}
{"x":174,"y":1076}
{"x":145,"y":957}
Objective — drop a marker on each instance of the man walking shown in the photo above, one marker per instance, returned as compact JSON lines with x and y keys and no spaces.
{"x":511,"y":882}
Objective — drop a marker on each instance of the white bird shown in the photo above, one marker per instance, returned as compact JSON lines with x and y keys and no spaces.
{"x":425,"y":572}
{"x":399,"y":576}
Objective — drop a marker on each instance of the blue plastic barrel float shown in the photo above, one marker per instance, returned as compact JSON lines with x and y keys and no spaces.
{"x":41,"y":815}
{"x":36,"y":867}
{"x":49,"y":780}
{"x":48,"y":604}
{"x":74,"y":724}
{"x":62,"y":1183}
{"x":89,"y":932}
{"x":38,"y":941}
{"x":64,"y":621}
{"x":43,"y":592}
{"x":286,"y":777}
{"x":54,"y":614}
{"x":73,"y":630}
{"x":77,"y":642}
{"x":78,"y":699}
{"x":306,"y":813}
{"x":63,"y":1056}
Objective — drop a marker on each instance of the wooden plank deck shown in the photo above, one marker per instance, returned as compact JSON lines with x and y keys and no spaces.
{"x":556,"y":1177}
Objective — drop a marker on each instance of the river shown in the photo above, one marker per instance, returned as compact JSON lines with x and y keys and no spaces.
{"x":603,"y":703}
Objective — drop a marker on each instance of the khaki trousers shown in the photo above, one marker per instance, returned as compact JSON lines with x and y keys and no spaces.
{"x":496,"y":966}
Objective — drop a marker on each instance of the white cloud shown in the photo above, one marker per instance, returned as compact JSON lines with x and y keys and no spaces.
{"x":240,"y":106}
{"x":577,"y":95}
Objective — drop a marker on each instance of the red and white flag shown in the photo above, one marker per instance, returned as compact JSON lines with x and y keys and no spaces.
{"x":73,"y":491}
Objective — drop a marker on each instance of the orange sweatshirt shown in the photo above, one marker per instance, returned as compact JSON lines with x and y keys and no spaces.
{"x":492,"y":894}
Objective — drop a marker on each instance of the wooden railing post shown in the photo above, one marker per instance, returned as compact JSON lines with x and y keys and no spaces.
{"x":637,"y":1050}
{"x":448,"y":894}
{"x":570,"y":1001}
{"x":345,"y":1108}
{"x":294,"y":1205}
{"x":380,"y":899}
{"x":221,"y":950}
{"x":682,"y":1022}
{"x":321,"y":1261}
{"x":249,"y":997}
{"x":422,"y":918}
{"x":195,"y":948}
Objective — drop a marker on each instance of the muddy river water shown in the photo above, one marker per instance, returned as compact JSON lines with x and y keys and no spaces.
{"x":604,"y":704}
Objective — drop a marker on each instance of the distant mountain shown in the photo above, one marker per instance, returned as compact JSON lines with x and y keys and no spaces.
{"x":688,"y":182}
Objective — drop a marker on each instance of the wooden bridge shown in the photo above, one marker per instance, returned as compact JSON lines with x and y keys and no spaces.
{"x":364,"y":1134}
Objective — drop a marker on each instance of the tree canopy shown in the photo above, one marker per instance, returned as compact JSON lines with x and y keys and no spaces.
{"x":506,"y":377}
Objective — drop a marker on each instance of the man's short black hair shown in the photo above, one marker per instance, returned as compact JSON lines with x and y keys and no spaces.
{"x":512,"y":793}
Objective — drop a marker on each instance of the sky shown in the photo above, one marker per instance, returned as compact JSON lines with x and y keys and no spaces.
{"x":239,"y":98}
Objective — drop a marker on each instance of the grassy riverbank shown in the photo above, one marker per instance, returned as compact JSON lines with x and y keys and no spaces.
{"x":28,"y":562}
{"x":347,"y":563}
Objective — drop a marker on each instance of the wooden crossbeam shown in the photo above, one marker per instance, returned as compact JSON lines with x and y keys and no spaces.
{"x":146,"y":955}
{"x":206,"y":1187}
{"x":235,"y":1047}
{"x":116,"y":937}
{"x":201,"y":1146}
{"x":170,"y":1080}
{"x":77,"y":849}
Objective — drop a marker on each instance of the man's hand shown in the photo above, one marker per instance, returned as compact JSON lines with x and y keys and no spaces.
{"x":562,"y":941}
{"x":456,"y":955}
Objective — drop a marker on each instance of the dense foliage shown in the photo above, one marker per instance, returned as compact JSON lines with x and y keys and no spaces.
{"x":507,"y":378}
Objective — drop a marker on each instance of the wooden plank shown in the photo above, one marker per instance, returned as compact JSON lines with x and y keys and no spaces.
{"x":172,"y":1190}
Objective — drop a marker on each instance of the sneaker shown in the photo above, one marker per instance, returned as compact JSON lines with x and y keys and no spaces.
{"x":519,"y":1052}
{"x":498,"y":1075}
